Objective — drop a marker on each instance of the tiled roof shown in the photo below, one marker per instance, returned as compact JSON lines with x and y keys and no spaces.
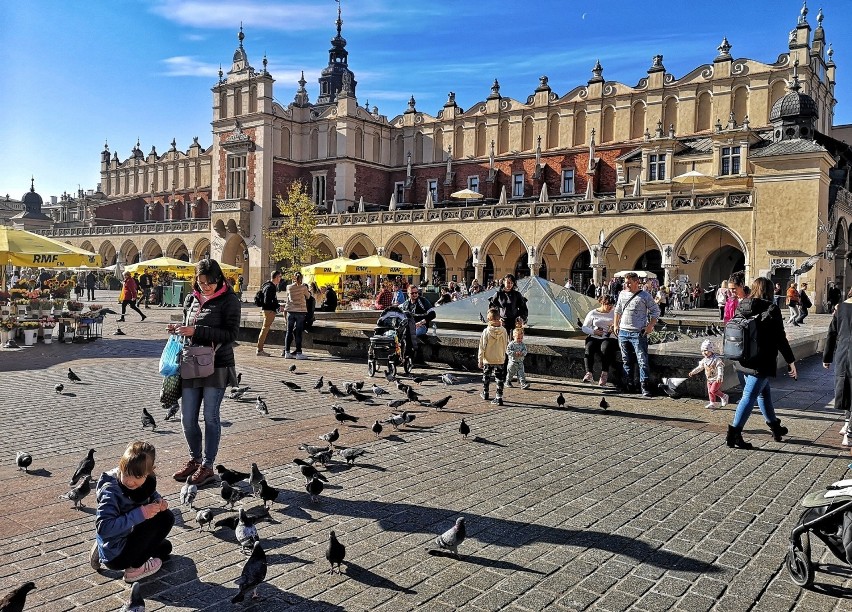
{"x":787,"y":147}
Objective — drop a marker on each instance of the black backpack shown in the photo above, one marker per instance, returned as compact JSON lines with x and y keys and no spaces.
{"x":742,"y":336}
{"x":259,"y":298}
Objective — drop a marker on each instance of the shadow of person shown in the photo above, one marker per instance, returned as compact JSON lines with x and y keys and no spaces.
{"x":371,"y":579}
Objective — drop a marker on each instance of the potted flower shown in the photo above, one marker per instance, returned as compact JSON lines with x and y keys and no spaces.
{"x":30,"y":329}
{"x":47,"y":331}
{"x":21,"y":306}
{"x":5,"y":298}
{"x":7,"y":326}
{"x":57,"y":305}
{"x":75,"y":306}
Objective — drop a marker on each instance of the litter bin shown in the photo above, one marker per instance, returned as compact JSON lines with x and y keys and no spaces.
{"x":181,"y":289}
{"x":168,"y":295}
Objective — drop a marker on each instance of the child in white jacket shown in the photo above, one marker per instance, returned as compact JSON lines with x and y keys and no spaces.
{"x":714,"y":369}
{"x":492,"y":355}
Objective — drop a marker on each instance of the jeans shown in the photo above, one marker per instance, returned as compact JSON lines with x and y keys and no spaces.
{"x":295,"y":327}
{"x":794,"y":311}
{"x":756,"y":388}
{"x":190,"y":407}
{"x":803,"y":312}
{"x":634,"y":351}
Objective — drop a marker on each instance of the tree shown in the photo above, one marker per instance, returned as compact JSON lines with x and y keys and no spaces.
{"x":292,"y":240}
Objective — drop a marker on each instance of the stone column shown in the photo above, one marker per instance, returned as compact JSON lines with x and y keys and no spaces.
{"x":670,"y":272}
{"x":597,"y":274}
{"x":532,"y":261}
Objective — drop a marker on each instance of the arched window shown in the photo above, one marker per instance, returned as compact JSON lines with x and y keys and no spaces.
{"x":359,"y":143}
{"x":418,"y":148}
{"x":223,"y":104}
{"x":527,"y":136}
{"x":398,"y":153}
{"x":438,"y":152}
{"x":458,"y":144}
{"x":377,"y":147}
{"x":503,"y":137}
{"x":238,"y":102}
{"x":479,"y":150}
{"x":776,"y":91}
{"x":670,"y":114}
{"x":253,"y":99}
{"x":285,"y":143}
{"x":704,"y":112}
{"x":553,"y":131}
{"x":637,"y":120}
{"x":579,"y":128}
{"x":740,"y":104}
{"x":608,"y":124}
{"x":314,"y":144}
{"x":332,"y":140}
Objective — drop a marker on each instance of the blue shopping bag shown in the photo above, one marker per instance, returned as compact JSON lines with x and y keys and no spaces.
{"x":170,"y":359}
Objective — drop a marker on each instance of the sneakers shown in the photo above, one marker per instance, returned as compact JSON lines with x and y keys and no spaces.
{"x":484,"y":395}
{"x":261,"y":353}
{"x":287,"y":355}
{"x":711,"y":406}
{"x":588,"y":377}
{"x":95,"y":557}
{"x":845,"y":441}
{"x":526,"y":385}
{"x":603,"y":379}
{"x":144,"y":317}
{"x":301,"y":356}
{"x":646,"y":390}
{"x":723,"y":399}
{"x":509,"y":383}
{"x":202,"y":476}
{"x":845,"y":428}
{"x":187,"y":470}
{"x":120,"y":319}
{"x":497,"y":401}
{"x":149,"y":568}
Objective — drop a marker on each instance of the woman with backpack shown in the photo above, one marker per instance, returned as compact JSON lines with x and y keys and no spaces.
{"x":761,"y":364}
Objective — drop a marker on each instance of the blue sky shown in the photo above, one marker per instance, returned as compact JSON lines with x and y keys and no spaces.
{"x":77,"y":74}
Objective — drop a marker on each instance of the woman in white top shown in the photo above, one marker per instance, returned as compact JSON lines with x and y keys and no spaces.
{"x":722,"y":295}
{"x":598,"y":324}
{"x":297,"y":311}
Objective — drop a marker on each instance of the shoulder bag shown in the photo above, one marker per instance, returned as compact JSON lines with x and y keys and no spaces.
{"x":196,"y":361}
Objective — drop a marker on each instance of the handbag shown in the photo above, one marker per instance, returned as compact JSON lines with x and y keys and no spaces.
{"x":170,"y":359}
{"x":197,"y":361}
{"x":171,"y":391}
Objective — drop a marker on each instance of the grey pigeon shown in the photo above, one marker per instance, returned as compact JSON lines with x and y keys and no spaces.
{"x":390,"y":376}
{"x":314,"y":488}
{"x":232,"y":477}
{"x":464,"y":428}
{"x":23,"y":461}
{"x":292,"y":368}
{"x":604,"y":404}
{"x":560,"y":400}
{"x":350,"y":454}
{"x":377,"y":428}
{"x":14,"y":600}
{"x":441,"y":403}
{"x":378,"y":391}
{"x":237,"y":392}
{"x":398,"y":420}
{"x":669,"y":386}
{"x":204,"y":517}
{"x":230,"y":495}
{"x":361,"y":397}
{"x":85,"y":468}
{"x":453,"y":537}
{"x":319,"y":383}
{"x":308,"y":470}
{"x":73,"y":377}
{"x":187,"y":494}
{"x":246,"y":532}
{"x":254,"y":572}
{"x":335,"y":552}
{"x":335,"y":391}
{"x":312,"y":450}
{"x":342,"y":417}
{"x":323,"y":457}
{"x":412,"y":395}
{"x":58,"y":388}
{"x":255,"y":478}
{"x":148,"y":420}
{"x":79,"y":492}
{"x":267,"y":493}
{"x":331,"y":437}
{"x":261,"y":406}
{"x":449,"y":379}
{"x":397,"y":403}
{"x":136,"y":603}
{"x":173,"y":410}
{"x":291,"y":385}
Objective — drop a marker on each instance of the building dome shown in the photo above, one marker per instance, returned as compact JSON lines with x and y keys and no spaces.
{"x":793,"y":104}
{"x":31,"y":200}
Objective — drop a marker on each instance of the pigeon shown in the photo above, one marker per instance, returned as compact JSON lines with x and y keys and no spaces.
{"x":449,"y":379}
{"x":378,"y":391}
{"x":261,"y":406}
{"x":669,"y":386}
{"x":323,"y":457}
{"x":350,"y":454}
{"x":230,"y":494}
{"x":204,"y":517}
{"x":239,"y":378}
{"x":23,"y":460}
{"x":78,"y":493}
{"x":255,"y":478}
{"x":232,"y":477}
{"x":402,"y":387}
{"x":267,"y":493}
{"x":453,"y":537}
{"x":359,"y":385}
{"x":14,"y":600}
{"x":560,"y":401}
{"x":291,"y":385}
{"x":342,"y":417}
{"x":441,"y":403}
{"x":309,"y":471}
{"x":136,"y":603}
{"x":292,"y":368}
{"x":377,"y":428}
{"x":361,"y":397}
{"x":312,"y":450}
{"x":481,"y":318}
{"x":246,"y":532}
{"x":187,"y":494}
{"x":579,"y":322}
{"x":331,"y":437}
{"x":390,"y":376}
{"x":148,"y":420}
{"x":318,"y":384}
{"x":604,"y":404}
{"x":237,"y":392}
{"x":686,"y":260}
{"x":173,"y":410}
{"x":397,"y":403}
{"x":85,"y":468}
{"x":314,"y":488}
{"x":335,"y":553}
{"x":335,"y":391}
{"x":464,"y":429}
{"x":58,"y":388}
{"x":254,"y":571}
{"x":418,"y":379}
{"x":73,"y":377}
{"x":398,"y":420}
{"x":412,"y":395}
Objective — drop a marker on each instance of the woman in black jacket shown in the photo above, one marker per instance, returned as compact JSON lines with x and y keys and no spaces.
{"x":211,"y":318}
{"x":511,"y":304}
{"x":758,"y":371}
{"x":837,"y":351}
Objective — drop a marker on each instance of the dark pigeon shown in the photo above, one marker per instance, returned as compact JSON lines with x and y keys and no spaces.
{"x":254,"y":572}
{"x":136,"y":603}
{"x":314,"y":488}
{"x":335,"y":553}
{"x":377,"y":428}
{"x":15,"y":599}
{"x":23,"y":461}
{"x":73,"y":377}
{"x":464,"y":429}
{"x":148,"y":420}
{"x":268,"y":494}
{"x":85,"y":468}
{"x":232,"y":477}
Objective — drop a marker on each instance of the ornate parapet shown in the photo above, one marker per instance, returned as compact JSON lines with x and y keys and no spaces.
{"x":236,"y":210}
{"x":172,"y":227}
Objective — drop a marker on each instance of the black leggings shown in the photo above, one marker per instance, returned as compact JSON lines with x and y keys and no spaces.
{"x":148,"y":539}
{"x":132,"y":304}
{"x":605,"y":347}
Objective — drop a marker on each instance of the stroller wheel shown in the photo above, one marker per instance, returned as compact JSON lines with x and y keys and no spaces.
{"x":800,"y":567}
{"x":407,"y":365}
{"x":371,"y":367}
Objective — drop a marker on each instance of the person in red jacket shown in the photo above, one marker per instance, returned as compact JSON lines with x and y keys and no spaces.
{"x":128,"y":296}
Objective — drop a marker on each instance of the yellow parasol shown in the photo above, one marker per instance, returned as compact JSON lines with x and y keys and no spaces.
{"x":174,"y":266}
{"x":23,"y":248}
{"x":375,"y":264}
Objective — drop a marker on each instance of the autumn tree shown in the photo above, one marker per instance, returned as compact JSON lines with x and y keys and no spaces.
{"x":292,"y":240}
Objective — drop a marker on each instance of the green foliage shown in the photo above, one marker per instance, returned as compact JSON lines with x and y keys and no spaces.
{"x":293,"y":240}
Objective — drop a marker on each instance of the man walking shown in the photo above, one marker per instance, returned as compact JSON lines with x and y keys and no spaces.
{"x":804,"y":303}
{"x":269,"y":306}
{"x":636,"y":313}
{"x":146,"y":283}
{"x":91,"y":281}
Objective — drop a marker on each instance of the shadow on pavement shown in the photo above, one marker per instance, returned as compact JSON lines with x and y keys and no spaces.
{"x":371,"y":579}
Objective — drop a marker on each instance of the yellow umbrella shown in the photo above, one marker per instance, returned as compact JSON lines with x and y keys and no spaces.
{"x":375,"y":264}
{"x":172,"y":265}
{"x":323,"y":273}
{"x":22,"y":248}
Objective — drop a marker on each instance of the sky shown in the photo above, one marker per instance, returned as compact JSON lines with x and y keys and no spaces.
{"x":79,"y":74}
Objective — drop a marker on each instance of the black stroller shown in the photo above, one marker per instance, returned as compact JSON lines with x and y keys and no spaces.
{"x":829,"y":517}
{"x":391,"y":342}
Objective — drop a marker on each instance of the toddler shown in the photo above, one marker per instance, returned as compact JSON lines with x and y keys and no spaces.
{"x":492,"y":355}
{"x":132,"y":519}
{"x":516,"y":352}
{"x":714,"y":369}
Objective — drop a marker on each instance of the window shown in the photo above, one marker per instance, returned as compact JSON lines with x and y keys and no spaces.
{"x":319,"y":190}
{"x":730,"y":161}
{"x":399,"y":189}
{"x":473,"y":183}
{"x":432,"y":186}
{"x":657,"y":167}
{"x":567,"y":181}
{"x":236,"y":176}
{"x":518,"y":185}
{"x":187,"y":210}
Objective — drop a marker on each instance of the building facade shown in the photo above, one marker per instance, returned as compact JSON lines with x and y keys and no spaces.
{"x":734,"y":165}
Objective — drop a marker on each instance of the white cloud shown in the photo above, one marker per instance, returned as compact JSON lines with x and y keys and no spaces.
{"x":185,"y":65}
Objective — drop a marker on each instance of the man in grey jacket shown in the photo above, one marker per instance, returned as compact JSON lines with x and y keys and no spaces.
{"x":636,"y":313}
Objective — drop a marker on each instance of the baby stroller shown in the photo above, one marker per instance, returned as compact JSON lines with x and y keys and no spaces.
{"x":829,"y":517}
{"x":391,"y":342}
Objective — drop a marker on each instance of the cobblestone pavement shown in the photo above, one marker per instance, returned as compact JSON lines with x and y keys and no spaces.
{"x":640,"y":507}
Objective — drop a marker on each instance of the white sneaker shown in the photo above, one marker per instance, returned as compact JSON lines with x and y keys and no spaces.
{"x":150,"y":567}
{"x":712,"y":406}
{"x":724,"y":398}
{"x":845,"y":427}
{"x":287,"y":355}
{"x":845,"y":440}
{"x":301,"y":356}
